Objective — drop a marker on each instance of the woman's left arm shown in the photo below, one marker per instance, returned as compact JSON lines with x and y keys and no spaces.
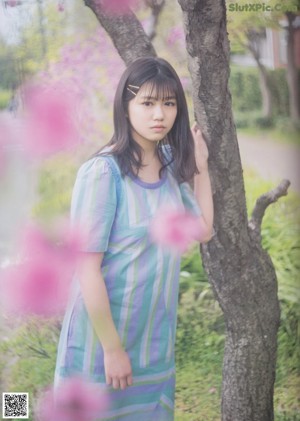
{"x":202,"y":184}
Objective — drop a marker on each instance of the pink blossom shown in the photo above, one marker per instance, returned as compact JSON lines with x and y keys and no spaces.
{"x":74,"y":400}
{"x":50,"y":125}
{"x":40,"y":283}
{"x":176,"y":229}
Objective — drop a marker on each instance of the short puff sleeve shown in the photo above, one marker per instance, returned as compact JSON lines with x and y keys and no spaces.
{"x":93,"y":205}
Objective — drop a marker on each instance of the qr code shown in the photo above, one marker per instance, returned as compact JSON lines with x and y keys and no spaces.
{"x":15,"y":405}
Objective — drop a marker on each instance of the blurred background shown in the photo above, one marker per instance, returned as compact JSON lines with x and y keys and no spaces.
{"x":59,"y":45}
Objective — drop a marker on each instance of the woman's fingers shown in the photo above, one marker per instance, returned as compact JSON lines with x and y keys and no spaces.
{"x":123,"y":383}
{"x":116,"y":383}
{"x":108,"y":380}
{"x":118,"y":369}
{"x":195,"y":127}
{"x":119,"y":383}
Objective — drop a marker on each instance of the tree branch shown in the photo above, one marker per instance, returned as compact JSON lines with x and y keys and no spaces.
{"x":261,"y":205}
{"x":156,"y":7}
{"x":125,"y":31}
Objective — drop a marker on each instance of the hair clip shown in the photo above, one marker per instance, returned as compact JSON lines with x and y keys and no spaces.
{"x":134,"y":87}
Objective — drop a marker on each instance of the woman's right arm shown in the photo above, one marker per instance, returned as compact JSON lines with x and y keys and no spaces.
{"x":116,"y":361}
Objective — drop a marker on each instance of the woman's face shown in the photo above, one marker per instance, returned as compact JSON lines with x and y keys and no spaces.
{"x":151,"y":117}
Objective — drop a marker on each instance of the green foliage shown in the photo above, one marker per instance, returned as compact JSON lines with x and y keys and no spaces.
{"x":247,"y":102}
{"x":280,"y":93}
{"x":246,"y":95}
{"x":198,"y":391}
{"x":30,"y":355}
{"x":253,"y":119}
{"x":4,"y":98}
{"x":55,"y":187}
{"x":244,"y":88}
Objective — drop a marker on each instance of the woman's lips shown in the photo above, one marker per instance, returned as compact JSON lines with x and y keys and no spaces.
{"x":158,"y":128}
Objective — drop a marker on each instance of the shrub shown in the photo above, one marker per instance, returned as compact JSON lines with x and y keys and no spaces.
{"x":244,"y":87}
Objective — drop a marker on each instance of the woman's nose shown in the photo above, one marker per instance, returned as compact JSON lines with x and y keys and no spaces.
{"x":158,"y":113}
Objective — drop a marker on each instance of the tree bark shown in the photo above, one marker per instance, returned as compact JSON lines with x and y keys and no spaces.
{"x":240,"y":271}
{"x":292,"y":71}
{"x":125,"y":31}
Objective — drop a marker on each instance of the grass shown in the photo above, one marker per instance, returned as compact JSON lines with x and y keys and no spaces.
{"x":198,"y":393}
{"x":283,"y":135}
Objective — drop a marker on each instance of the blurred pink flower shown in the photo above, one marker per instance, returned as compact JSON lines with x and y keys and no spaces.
{"x":3,"y":157}
{"x":117,"y":6}
{"x":74,"y":400}
{"x":175,"y":229}
{"x":49,"y":122}
{"x":60,"y":6}
{"x":176,"y":34}
{"x":40,"y":283}
{"x":12,"y":3}
{"x":90,"y":72}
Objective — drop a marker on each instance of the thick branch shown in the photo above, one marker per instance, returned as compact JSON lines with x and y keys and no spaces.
{"x":125,"y":31}
{"x":261,"y":205}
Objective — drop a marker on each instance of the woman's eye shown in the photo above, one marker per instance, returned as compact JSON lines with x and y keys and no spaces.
{"x":170,"y":104}
{"x":147,"y":103}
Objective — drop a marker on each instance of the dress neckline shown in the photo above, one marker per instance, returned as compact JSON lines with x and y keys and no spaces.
{"x":147,"y":185}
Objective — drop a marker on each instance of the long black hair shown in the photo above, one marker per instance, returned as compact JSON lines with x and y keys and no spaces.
{"x":162,"y":78}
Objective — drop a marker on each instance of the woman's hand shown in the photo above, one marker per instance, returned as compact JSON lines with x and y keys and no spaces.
{"x":201,"y":151}
{"x":117,"y":368}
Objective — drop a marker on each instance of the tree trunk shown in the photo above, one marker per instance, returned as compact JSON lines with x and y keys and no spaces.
{"x":292,"y":71}
{"x":126,"y":32}
{"x":264,"y":80}
{"x":240,"y":271}
{"x":265,"y":91}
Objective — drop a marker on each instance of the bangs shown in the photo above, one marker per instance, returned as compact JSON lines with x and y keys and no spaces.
{"x":160,"y":88}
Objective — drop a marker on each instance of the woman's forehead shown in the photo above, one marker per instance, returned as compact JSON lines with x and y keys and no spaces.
{"x":156,"y":91}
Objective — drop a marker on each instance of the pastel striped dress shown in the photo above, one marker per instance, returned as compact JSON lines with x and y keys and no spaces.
{"x":142,"y":284}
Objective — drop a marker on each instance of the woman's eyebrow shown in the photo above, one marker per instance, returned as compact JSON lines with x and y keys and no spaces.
{"x":156,"y":98}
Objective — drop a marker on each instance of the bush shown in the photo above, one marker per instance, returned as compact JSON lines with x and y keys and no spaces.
{"x":264,"y":122}
{"x":246,"y":95}
{"x":280,"y":93}
{"x":244,"y":87}
{"x":56,"y":180}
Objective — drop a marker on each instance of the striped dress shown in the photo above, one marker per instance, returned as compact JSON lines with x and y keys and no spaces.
{"x":142,"y":284}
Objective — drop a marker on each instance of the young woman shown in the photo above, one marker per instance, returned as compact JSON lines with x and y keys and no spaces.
{"x":120,"y":327}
